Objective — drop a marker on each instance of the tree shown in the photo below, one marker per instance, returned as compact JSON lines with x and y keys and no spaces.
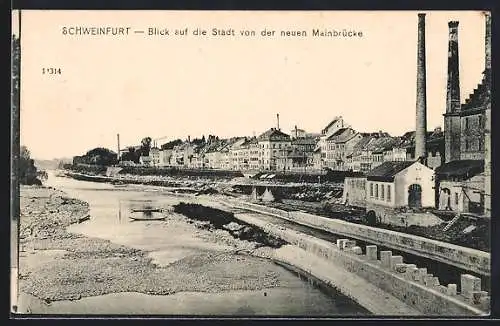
{"x":131,"y":155}
{"x":101,"y":156}
{"x":24,"y":162}
{"x":146,"y":146}
{"x":27,"y":169}
{"x":25,"y":153}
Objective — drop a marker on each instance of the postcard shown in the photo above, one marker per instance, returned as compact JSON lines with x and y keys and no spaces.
{"x":251,"y":163}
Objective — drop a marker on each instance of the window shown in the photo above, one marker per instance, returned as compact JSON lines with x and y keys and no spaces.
{"x":371,"y":189}
{"x":382,"y":192}
{"x":480,"y":121}
{"x":481,"y":145}
{"x":376,"y":191}
{"x":467,"y":145}
{"x":388,"y":192}
{"x":466,"y":123}
{"x":456,"y":198}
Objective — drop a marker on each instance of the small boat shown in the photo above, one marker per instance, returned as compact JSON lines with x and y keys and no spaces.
{"x":141,"y":218}
{"x":147,"y":214}
{"x":146,"y":210}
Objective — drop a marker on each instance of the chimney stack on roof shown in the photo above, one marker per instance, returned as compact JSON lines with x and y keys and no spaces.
{"x":278,"y":120}
{"x":421,"y":111}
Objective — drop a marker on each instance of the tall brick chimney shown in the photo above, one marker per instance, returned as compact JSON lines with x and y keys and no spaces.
{"x":421,"y":112}
{"x":453,"y":86}
{"x":452,"y":128}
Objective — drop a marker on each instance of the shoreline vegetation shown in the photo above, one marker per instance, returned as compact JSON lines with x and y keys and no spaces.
{"x":319,"y":199}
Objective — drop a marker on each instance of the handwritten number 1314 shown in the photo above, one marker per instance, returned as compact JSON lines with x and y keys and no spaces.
{"x":51,"y":71}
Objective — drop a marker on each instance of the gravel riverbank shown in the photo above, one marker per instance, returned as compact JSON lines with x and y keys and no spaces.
{"x":58,"y":265}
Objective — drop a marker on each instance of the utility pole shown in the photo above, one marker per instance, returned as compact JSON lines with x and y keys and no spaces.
{"x":118,"y":144}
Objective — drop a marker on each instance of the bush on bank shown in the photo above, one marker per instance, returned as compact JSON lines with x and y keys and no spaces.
{"x":86,"y":168}
{"x":219,"y":219}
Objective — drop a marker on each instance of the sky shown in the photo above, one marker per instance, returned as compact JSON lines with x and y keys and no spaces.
{"x":175,"y":87}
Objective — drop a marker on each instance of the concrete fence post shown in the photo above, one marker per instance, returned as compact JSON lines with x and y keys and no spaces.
{"x":371,"y":252}
{"x":341,"y":243}
{"x":420,"y":275}
{"x":452,"y":289}
{"x":357,"y":250}
{"x":349,"y":244}
{"x":385,"y":258}
{"x":396,"y":260}
{"x":469,"y":284}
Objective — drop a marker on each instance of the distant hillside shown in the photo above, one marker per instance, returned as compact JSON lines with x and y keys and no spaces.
{"x":51,"y":164}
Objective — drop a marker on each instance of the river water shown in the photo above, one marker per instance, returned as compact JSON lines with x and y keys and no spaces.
{"x":110,"y":208}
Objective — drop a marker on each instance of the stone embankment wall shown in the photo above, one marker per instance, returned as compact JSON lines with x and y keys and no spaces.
{"x":465,"y":258}
{"x":407,"y":282}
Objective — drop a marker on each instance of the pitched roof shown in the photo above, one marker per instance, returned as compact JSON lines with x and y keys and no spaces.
{"x":332,"y":122}
{"x":305,"y":141}
{"x":313,"y":134}
{"x":239,"y":142}
{"x":363,"y":142}
{"x":386,"y":171}
{"x":272,"y":134}
{"x":380,"y":144}
{"x":460,"y":168}
{"x":251,"y":140}
{"x":215,"y":146}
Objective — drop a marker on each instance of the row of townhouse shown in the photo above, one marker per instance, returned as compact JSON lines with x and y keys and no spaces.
{"x":337,"y":147}
{"x":272,"y":150}
{"x":342,"y":148}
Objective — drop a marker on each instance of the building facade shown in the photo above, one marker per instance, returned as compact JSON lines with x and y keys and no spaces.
{"x":154,"y":152}
{"x":401,"y":184}
{"x":273,"y":145}
{"x":462,"y":182}
{"x":334,"y":125}
{"x":338,"y":145}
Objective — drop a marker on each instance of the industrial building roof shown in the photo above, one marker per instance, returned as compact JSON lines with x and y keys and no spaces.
{"x":386,"y":171}
{"x":460,"y":168}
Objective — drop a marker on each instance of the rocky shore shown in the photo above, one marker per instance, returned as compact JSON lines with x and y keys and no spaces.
{"x":58,"y":265}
